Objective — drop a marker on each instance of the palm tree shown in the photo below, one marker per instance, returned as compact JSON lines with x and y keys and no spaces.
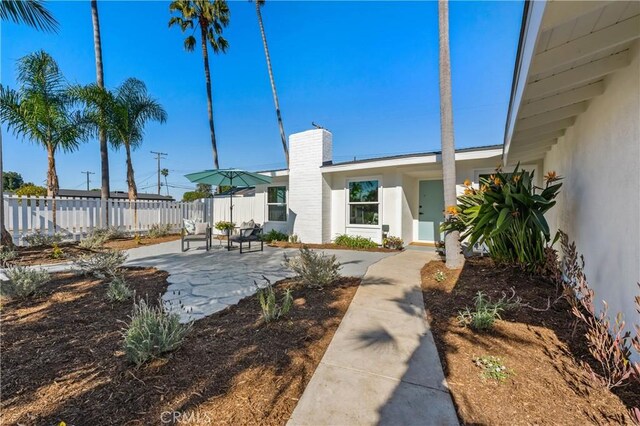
{"x":454,"y":257}
{"x":259,"y":4}
{"x":212,"y":16}
{"x":165,"y":173}
{"x":40,"y":110}
{"x":102,"y":136}
{"x":29,"y":12}
{"x":34,"y":14}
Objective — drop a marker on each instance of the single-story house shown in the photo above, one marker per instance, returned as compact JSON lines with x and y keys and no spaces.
{"x":575,"y":109}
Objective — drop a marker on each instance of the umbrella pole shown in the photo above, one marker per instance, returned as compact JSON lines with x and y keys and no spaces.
{"x":230,"y":212}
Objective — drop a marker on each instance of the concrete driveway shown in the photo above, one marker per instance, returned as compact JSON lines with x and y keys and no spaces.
{"x":202,"y":283}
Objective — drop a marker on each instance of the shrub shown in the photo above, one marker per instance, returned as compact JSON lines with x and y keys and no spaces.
{"x":102,"y":264}
{"x":608,"y":343}
{"x":314,"y":269}
{"x":293,"y":239}
{"x":492,"y":368}
{"x":354,"y":242}
{"x":57,"y":252}
{"x":486,"y":311}
{"x":118,"y":290}
{"x":7,"y":255}
{"x":507,"y":214}
{"x":152,"y":332}
{"x":394,"y":243}
{"x":275,"y":235}
{"x":271,"y":310}
{"x":158,"y":230}
{"x":439,"y":276}
{"x":23,"y":282}
{"x":39,"y":239}
{"x":96,"y":238}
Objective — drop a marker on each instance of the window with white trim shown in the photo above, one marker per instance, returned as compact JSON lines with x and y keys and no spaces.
{"x":364,"y":205}
{"x":277,"y":203}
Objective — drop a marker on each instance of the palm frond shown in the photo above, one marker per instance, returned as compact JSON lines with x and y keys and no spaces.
{"x":30,"y":12}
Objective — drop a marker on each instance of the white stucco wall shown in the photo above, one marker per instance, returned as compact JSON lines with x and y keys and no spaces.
{"x":599,"y":206}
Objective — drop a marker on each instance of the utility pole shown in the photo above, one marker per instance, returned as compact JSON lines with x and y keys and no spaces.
{"x":159,"y":155}
{"x":88,"y":180}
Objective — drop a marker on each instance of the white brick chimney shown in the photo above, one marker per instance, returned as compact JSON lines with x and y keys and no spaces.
{"x":309,"y":194}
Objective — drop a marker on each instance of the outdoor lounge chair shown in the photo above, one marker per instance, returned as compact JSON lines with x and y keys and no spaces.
{"x":248,"y":233}
{"x":192,"y":231}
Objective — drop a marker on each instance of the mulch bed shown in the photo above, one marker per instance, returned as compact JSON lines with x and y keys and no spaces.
{"x":44,"y":255}
{"x":543,"y":349}
{"x":328,"y":246}
{"x":62,"y":357}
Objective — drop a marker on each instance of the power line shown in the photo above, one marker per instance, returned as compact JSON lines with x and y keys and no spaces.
{"x":159,"y":155}
{"x":88,"y":180}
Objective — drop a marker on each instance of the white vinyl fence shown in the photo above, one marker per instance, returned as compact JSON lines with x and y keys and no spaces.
{"x":76,"y":217}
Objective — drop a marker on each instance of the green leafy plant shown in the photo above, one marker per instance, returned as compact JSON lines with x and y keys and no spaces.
{"x":96,"y":238}
{"x":486,"y":311}
{"x":158,"y":230}
{"x":492,"y":368}
{"x":439,"y":276}
{"x":271,"y":309}
{"x":7,"y":255}
{"x":275,"y":235}
{"x":314,"y":269}
{"x":23,"y":281}
{"x":118,"y":290}
{"x":354,"y":242}
{"x":394,"y":243}
{"x":293,"y":239}
{"x":102,"y":264}
{"x":224,"y":226}
{"x":40,"y":239}
{"x":507,"y":214}
{"x":152,"y":331}
{"x":57,"y":252}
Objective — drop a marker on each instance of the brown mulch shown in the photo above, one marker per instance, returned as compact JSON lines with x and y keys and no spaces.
{"x":328,"y":246}
{"x":548,"y":386}
{"x":62,"y":357}
{"x":44,"y":255}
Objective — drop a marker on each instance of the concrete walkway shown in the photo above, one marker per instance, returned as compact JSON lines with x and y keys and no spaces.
{"x":382,"y":366}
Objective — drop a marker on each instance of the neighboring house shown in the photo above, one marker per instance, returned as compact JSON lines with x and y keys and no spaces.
{"x":317,"y":199}
{"x":117,"y":195}
{"x":575,"y":109}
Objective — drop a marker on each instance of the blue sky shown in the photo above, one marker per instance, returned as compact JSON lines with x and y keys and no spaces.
{"x":367,"y":71}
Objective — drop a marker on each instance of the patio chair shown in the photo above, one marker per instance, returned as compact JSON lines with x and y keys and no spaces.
{"x":248,"y":233}
{"x":195,"y":231}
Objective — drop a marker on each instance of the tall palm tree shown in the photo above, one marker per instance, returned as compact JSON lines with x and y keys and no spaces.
{"x":165,"y":173}
{"x":34,"y":14}
{"x":102,"y":136}
{"x":40,"y":110}
{"x":454,"y":257}
{"x":259,"y":4}
{"x":211,"y":16}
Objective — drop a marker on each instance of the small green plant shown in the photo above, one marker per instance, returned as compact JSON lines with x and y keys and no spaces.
{"x":224,"y":226}
{"x":486,"y":311}
{"x":152,"y":331}
{"x":293,"y":239}
{"x":394,"y":243}
{"x":314,"y":269}
{"x":39,"y":239}
{"x":7,"y":255}
{"x":439,"y":276}
{"x":57,"y":252}
{"x":93,"y":241}
{"x":271,"y":310}
{"x":274,"y":235}
{"x":118,"y":290}
{"x":354,"y":242}
{"x":492,"y":368}
{"x":158,"y":230}
{"x":23,"y":282}
{"x":102,"y":264}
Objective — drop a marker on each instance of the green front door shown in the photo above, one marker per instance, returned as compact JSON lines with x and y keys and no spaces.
{"x":430,"y":208}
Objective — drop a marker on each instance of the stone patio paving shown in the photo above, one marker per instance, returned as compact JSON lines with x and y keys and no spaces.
{"x":202,"y":283}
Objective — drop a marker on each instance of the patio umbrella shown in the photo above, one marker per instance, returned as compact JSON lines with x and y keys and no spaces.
{"x":229,"y":177}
